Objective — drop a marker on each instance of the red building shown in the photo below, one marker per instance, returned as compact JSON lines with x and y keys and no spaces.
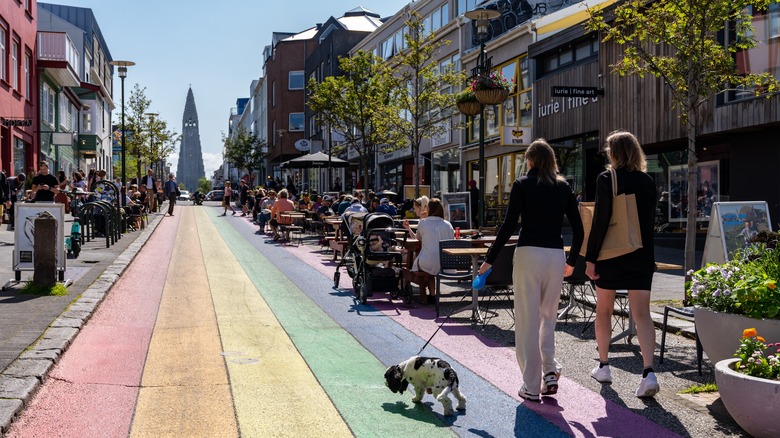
{"x":18,"y":85}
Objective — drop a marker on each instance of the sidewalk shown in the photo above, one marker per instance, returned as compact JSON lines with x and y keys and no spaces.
{"x":26,"y":318}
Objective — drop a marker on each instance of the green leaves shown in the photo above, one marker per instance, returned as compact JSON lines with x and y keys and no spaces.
{"x":244,"y":150}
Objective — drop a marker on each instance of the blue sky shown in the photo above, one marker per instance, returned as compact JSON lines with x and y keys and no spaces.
{"x":214,"y":46}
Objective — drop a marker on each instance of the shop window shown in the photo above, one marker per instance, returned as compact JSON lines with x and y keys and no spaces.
{"x":445,"y":171}
{"x":19,"y":156}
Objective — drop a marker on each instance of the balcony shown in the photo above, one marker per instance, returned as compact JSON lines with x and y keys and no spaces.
{"x":59,"y":58}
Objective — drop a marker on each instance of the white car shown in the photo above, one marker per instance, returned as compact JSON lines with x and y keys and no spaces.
{"x":184,"y":195}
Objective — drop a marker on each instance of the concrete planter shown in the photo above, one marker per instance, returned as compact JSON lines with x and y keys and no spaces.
{"x":752,"y":402}
{"x":720,"y":333}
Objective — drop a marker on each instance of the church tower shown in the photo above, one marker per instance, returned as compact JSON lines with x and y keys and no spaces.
{"x":190,"y":167}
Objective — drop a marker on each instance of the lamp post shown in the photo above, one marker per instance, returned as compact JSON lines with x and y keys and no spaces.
{"x":122,"y":75}
{"x":482,"y":17}
{"x":156,"y":162}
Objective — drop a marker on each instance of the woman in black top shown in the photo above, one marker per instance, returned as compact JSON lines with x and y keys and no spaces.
{"x":541,"y":199}
{"x":633,"y":271}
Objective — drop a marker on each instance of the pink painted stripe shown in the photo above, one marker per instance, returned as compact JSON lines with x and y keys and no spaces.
{"x":576,"y":404}
{"x":93,"y":389}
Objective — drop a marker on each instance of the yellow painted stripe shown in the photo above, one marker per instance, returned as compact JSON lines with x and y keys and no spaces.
{"x":571,"y":20}
{"x":185,"y":389}
{"x":274,"y":391}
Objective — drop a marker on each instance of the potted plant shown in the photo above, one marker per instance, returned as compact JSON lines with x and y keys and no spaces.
{"x":492,"y":88}
{"x":467,"y":103}
{"x":749,"y":385}
{"x":741,"y":293}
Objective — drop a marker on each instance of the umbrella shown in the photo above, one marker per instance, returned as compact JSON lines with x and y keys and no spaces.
{"x":319,"y":159}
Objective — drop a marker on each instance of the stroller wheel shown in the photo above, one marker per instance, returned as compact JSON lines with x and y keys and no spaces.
{"x":336,"y":278}
{"x":364,"y":292}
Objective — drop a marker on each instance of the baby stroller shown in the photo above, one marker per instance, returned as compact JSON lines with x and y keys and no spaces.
{"x":377,"y":266}
{"x":351,"y":226}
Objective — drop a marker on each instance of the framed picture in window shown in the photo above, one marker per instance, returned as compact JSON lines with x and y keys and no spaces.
{"x":707,"y":191}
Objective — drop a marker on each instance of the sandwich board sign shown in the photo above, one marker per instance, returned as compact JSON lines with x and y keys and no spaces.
{"x":457,"y":209}
{"x":25,"y":214}
{"x":732,"y":225}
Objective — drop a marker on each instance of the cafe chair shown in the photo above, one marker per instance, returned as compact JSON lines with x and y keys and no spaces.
{"x":687,"y":312}
{"x":578,"y":288}
{"x":452,"y":267}
{"x":498,"y":285}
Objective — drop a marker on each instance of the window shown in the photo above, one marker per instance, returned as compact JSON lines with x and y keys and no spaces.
{"x":296,"y":80}
{"x":464,"y":6}
{"x":273,"y":133}
{"x":313,"y":128}
{"x":387,"y":48}
{"x":273,"y":94}
{"x":437,"y":19}
{"x":47,"y":104}
{"x":296,"y":122}
{"x":87,"y":67}
{"x":20,"y":150}
{"x":15,"y":65}
{"x":63,"y":112}
{"x":3,"y":55}
{"x":28,"y":76}
{"x":568,"y":55}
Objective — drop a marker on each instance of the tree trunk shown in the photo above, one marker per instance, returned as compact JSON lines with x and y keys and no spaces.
{"x":690,"y":233}
{"x":416,"y":155}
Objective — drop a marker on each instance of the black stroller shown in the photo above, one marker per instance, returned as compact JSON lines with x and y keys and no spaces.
{"x":351,"y":226}
{"x":377,"y":264}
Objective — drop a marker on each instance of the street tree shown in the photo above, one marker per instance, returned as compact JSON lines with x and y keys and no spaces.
{"x":424,"y":91}
{"x":681,"y":42}
{"x":204,"y":185}
{"x":356,"y":105}
{"x":162,"y":141}
{"x":245,"y":151}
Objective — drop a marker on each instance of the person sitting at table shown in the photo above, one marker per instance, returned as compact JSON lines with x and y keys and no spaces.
{"x":420,"y":207}
{"x":305,"y":202}
{"x":283,"y":204}
{"x":346,"y":202}
{"x":430,"y":232}
{"x":265,"y":210}
{"x":355,"y":207}
{"x":325,"y":209}
{"x":386,"y":207}
{"x":317,"y":203}
{"x":374,"y":205}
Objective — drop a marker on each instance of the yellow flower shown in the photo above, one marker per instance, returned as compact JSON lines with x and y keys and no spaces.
{"x":771,"y":285}
{"x":760,"y":339}
{"x":749,"y":333}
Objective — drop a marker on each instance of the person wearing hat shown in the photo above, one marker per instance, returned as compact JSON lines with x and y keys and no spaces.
{"x":386,"y":207}
{"x":474,"y":193}
{"x":344,"y":204}
{"x":325,"y":209}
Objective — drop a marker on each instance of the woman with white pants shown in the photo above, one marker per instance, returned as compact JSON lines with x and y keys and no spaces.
{"x":541,"y":199}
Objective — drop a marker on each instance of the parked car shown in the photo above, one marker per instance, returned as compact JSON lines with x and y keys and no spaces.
{"x":184,"y":195}
{"x":215,"y":195}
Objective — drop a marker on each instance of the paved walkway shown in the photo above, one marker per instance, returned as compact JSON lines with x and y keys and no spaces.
{"x":244,"y":337}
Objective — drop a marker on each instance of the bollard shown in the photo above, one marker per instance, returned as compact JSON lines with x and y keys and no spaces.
{"x":45,"y":250}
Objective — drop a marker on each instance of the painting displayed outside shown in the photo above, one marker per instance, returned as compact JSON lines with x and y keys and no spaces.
{"x":740,"y":222}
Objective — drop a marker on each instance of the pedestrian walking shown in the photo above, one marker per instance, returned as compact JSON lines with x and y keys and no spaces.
{"x":15,"y":186}
{"x":226,"y":197}
{"x":243,"y":197}
{"x":541,"y":199}
{"x":171,"y":190}
{"x":633,"y":271}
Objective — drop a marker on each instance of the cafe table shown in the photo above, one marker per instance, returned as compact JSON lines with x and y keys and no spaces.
{"x":475,"y":253}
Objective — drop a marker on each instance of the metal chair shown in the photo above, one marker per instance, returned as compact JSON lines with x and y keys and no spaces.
{"x":500,"y":280}
{"x":459,"y":267}
{"x":578,"y":288}
{"x":687,"y":312}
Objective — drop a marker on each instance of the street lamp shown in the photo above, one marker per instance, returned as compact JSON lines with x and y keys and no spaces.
{"x":122,"y":75}
{"x":482,"y":18}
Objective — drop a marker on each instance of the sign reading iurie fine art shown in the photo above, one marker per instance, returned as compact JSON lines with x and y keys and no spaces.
{"x":732,"y":225}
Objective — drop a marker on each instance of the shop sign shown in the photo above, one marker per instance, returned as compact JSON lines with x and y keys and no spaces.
{"x":394,"y":155}
{"x":8,"y":123}
{"x":516,"y":135}
{"x":62,"y":138}
{"x":303,"y":145}
{"x":563,"y":105}
{"x":558,"y":91}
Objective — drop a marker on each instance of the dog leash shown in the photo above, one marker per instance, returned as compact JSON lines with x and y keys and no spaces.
{"x":447,"y":319}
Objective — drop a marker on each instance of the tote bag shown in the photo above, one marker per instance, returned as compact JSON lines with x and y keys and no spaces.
{"x":623,"y":235}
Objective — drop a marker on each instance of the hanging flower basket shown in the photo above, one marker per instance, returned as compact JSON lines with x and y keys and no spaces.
{"x":492,"y":96}
{"x":469,"y":108}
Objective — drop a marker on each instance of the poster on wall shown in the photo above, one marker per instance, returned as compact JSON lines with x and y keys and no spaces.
{"x":24,"y":233}
{"x":732,"y":225}
{"x":707,"y":191}
{"x":457,"y":209}
{"x":409,"y":191}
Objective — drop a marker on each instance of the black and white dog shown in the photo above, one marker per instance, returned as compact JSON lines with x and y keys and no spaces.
{"x":426,"y":374}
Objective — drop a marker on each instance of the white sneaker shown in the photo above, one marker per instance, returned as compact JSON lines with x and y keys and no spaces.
{"x":602,"y":374}
{"x":550,"y":383}
{"x":523,"y":392}
{"x":648,"y":387}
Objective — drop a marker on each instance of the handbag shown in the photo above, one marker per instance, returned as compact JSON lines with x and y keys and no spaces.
{"x":623,"y":234}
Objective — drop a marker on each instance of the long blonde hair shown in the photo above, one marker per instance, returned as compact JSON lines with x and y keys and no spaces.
{"x":542,"y":157}
{"x":624,"y":151}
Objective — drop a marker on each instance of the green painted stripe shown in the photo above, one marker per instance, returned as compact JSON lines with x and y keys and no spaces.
{"x":351,"y":375}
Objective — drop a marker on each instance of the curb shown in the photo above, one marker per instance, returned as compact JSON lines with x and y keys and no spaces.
{"x":24,"y":376}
